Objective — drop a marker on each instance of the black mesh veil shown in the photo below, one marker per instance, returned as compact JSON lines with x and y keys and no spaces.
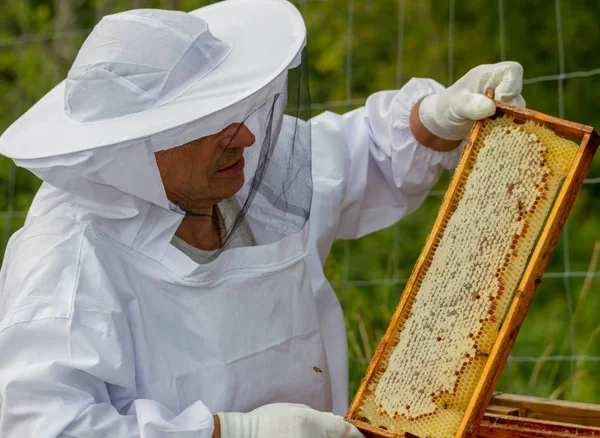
{"x":264,"y":196}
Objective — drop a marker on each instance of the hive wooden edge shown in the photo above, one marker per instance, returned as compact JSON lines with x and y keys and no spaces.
{"x":501,"y":426}
{"x":538,"y":408}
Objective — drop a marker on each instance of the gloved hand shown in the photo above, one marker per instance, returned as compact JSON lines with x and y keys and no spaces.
{"x":285,"y":420}
{"x":451,"y":113}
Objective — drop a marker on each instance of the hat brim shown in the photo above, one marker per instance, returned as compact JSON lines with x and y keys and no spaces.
{"x":267,"y":36}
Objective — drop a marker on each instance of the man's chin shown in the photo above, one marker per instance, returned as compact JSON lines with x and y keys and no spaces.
{"x":238,"y":186}
{"x":228,"y":189}
{"x":229,"y":186}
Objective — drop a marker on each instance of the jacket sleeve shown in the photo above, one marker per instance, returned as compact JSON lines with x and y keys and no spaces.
{"x":55,"y":376}
{"x":387,"y":172}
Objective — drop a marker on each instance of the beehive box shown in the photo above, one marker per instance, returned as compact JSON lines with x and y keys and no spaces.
{"x":510,"y":415}
{"x":435,"y":369}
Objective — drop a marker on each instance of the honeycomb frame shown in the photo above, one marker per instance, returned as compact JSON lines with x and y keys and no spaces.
{"x":529,"y":280}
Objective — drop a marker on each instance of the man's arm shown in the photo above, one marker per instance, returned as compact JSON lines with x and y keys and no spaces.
{"x":54,"y":378}
{"x":395,"y":147}
{"x":425,"y":137}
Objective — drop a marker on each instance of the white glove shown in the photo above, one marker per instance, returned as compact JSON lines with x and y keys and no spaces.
{"x":450,"y":114}
{"x":285,"y":420}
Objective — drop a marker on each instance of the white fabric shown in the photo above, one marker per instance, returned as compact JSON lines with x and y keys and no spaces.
{"x":107,"y":330}
{"x":115,"y":75}
{"x":267,"y":37}
{"x":285,"y":420}
{"x":451,"y":114}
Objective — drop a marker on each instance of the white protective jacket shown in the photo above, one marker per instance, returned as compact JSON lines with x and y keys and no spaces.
{"x":107,"y":330}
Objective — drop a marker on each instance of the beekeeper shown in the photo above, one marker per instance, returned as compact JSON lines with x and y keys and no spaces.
{"x":168,"y":281}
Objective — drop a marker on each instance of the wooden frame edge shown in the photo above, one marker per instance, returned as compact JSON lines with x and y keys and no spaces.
{"x":370,"y":431}
{"x":408,"y":290}
{"x":561,"y":127}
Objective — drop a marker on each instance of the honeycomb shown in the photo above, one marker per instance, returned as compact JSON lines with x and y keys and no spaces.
{"x":429,"y":370}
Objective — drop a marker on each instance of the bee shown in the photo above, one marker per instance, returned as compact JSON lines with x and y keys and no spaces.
{"x":520,"y":205}
{"x":317,"y":370}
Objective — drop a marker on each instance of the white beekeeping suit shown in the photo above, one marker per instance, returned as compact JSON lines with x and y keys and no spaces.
{"x":106,"y":327}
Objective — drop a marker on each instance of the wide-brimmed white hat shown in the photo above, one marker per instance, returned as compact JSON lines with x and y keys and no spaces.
{"x":144,"y":72}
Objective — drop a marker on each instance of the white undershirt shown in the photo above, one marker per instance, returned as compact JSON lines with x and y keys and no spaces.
{"x":228,"y":211}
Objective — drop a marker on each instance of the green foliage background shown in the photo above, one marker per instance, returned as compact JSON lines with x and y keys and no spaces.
{"x":40,"y":38}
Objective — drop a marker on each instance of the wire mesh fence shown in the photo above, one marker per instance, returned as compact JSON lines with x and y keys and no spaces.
{"x":358,"y":47}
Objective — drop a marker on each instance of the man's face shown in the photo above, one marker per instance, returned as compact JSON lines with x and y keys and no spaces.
{"x":203,"y":172}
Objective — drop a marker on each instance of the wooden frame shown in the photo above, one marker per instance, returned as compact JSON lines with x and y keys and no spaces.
{"x":532,"y":276}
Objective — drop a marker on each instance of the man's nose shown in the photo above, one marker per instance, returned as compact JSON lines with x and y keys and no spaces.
{"x":237,"y":135}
